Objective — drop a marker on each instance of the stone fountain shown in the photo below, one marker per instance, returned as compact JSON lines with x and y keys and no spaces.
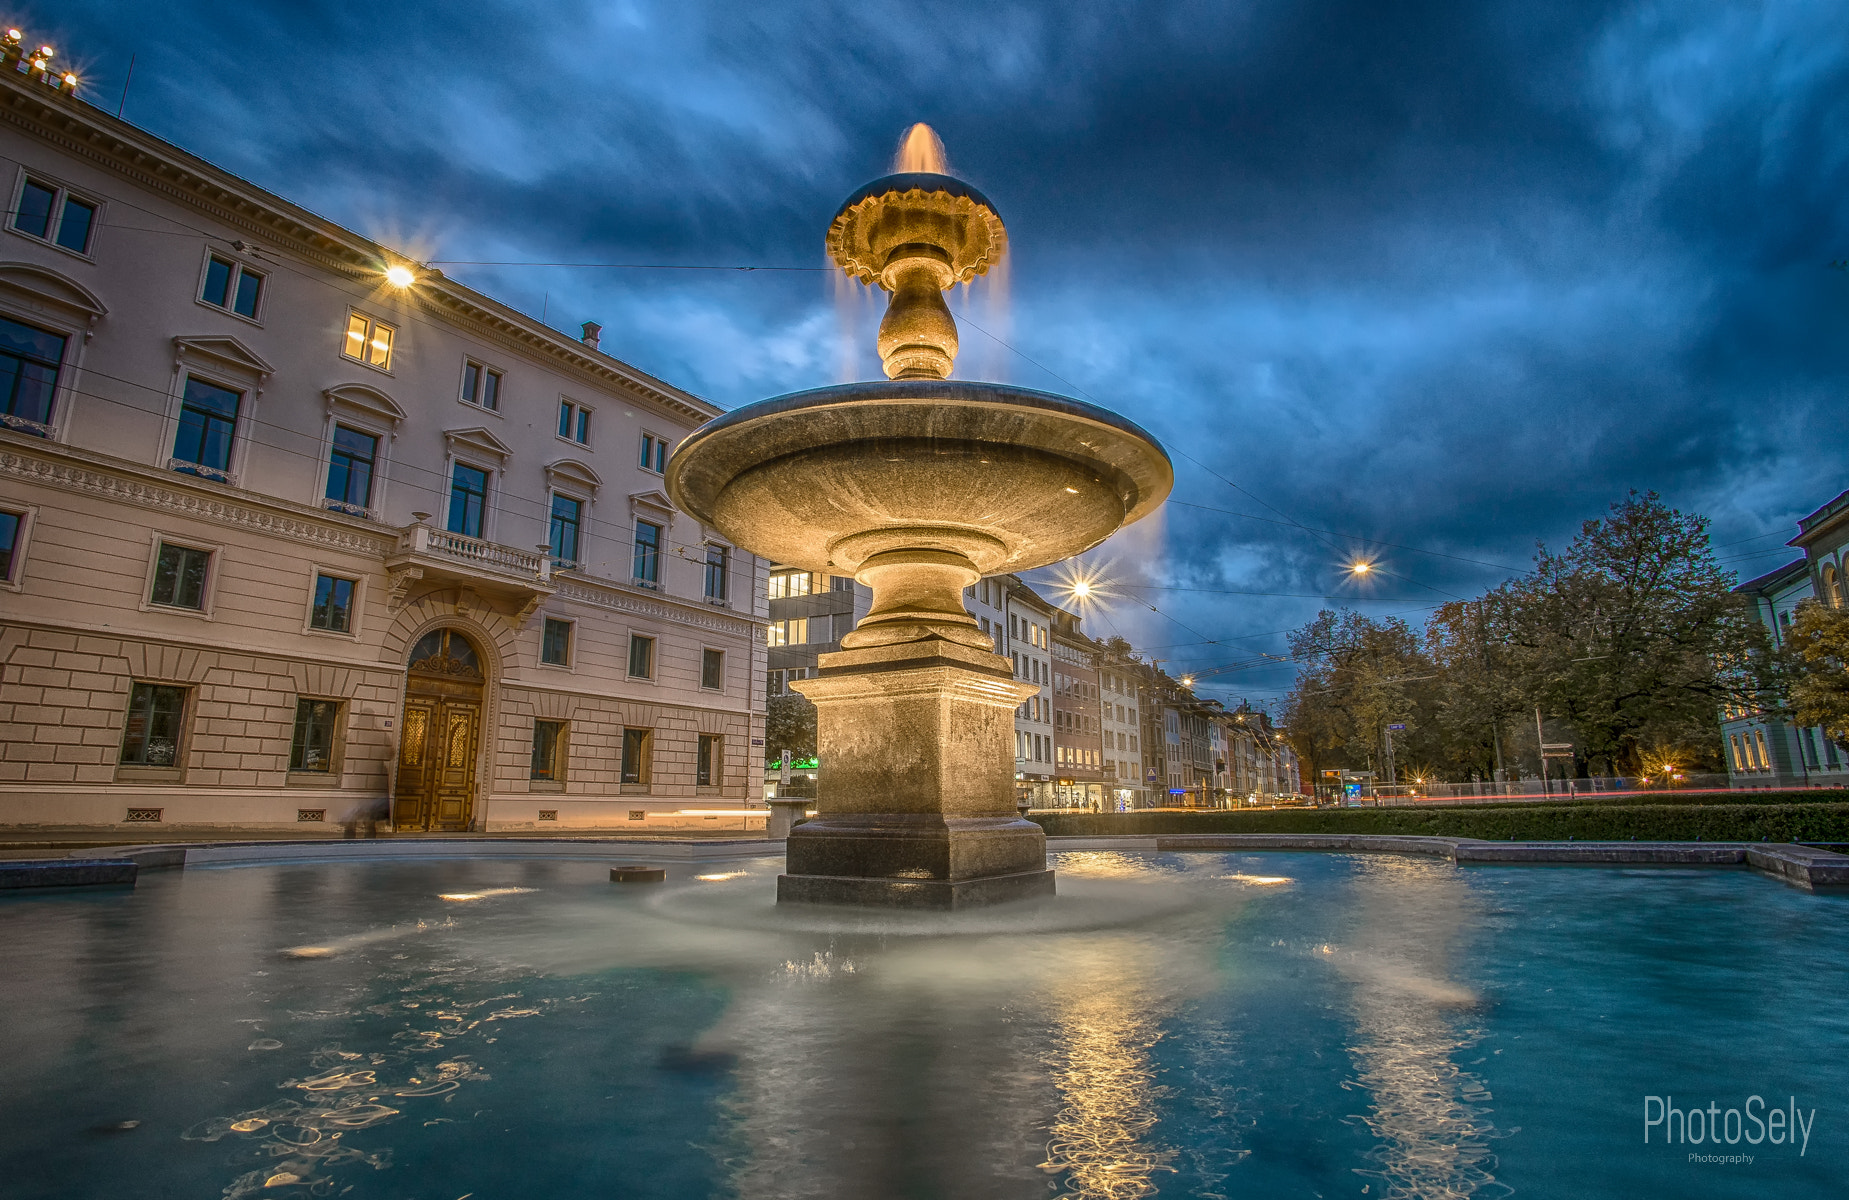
{"x":917,"y":486}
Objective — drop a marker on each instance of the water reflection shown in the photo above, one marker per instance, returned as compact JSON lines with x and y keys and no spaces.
{"x":1411,"y":1021}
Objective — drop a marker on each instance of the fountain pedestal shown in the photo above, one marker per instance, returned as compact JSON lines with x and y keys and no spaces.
{"x":916,"y":808}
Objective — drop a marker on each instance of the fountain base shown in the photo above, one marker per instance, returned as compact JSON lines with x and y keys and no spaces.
{"x":915,"y":804}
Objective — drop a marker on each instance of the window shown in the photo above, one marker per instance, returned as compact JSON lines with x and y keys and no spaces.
{"x":29,"y":360}
{"x":641,"y":657}
{"x":208,"y":422}
{"x":793,"y":632}
{"x":1832,"y":586}
{"x":152,"y":737}
{"x":654,"y":453}
{"x":780,"y":680}
{"x":706,"y":760}
{"x":313,"y":747}
{"x":179,"y":577}
{"x":718,"y":563}
{"x":712,"y":669}
{"x":785,"y":584}
{"x":11,"y":524}
{"x":636,"y":745}
{"x":369,"y":341}
{"x":49,"y":212}
{"x":548,"y":742}
{"x":232,"y":286}
{"x":468,"y":500}
{"x":555,"y":643}
{"x":349,"y":470}
{"x":481,"y":385}
{"x":333,"y":607}
{"x":574,"y":422}
{"x":567,"y":516}
{"x":648,"y":554}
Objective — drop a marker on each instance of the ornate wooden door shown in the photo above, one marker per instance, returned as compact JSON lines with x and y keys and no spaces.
{"x":441,"y":739}
{"x":452,"y":790}
{"x":408,"y":801}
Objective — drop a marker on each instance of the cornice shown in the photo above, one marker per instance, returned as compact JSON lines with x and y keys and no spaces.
{"x":146,"y":488}
{"x":86,"y":131}
{"x":660,"y":608}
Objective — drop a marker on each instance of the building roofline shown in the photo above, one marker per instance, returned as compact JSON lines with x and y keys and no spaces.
{"x":79,"y":127}
{"x":1771,"y":579}
{"x":1828,"y":517}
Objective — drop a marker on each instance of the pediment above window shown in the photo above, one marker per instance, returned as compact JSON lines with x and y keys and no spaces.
{"x":651,"y":501}
{"x":365,"y":401}
{"x":476,"y":442}
{"x":222,"y":353}
{"x":571,"y":473}
{"x":44,"y":287}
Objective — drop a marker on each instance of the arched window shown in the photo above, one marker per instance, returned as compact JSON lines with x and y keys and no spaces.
{"x":1739,"y":763}
{"x":445,"y":652}
{"x":1832,"y":586}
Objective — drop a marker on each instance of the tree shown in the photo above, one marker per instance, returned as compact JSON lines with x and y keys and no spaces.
{"x":1357,"y":679}
{"x":789,"y":724}
{"x":1819,"y":690}
{"x":1634,"y":636}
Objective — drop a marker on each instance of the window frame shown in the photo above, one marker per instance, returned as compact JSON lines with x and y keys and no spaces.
{"x":358,"y":579}
{"x":374,"y":484}
{"x":449,"y":497}
{"x":553,"y":495}
{"x":720,"y":686}
{"x":240,"y":424}
{"x":653,"y":665}
{"x":15,"y":578}
{"x":60,"y":389}
{"x":558,"y":768}
{"x":174,"y":771}
{"x":636,"y":578}
{"x":372,"y":323}
{"x":208,"y":593}
{"x":63,"y":193}
{"x":483,"y":369}
{"x":724,"y":596}
{"x":652,"y":441}
{"x":645,"y":756}
{"x":336,"y":747}
{"x":571,"y":642}
{"x":240,"y":266}
{"x":578,"y":421}
{"x":709,"y":756}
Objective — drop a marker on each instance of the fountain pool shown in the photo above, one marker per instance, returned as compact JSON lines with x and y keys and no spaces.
{"x":1202,"y":1024}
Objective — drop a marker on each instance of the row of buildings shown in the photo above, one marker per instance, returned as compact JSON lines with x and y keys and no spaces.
{"x":1106,"y":732}
{"x":293,"y":533}
{"x":1762,"y":749}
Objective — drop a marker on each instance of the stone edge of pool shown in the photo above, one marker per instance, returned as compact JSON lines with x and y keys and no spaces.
{"x":1801,"y":866}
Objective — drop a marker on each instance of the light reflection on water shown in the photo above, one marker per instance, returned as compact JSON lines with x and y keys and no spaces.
{"x":1171,"y":1025}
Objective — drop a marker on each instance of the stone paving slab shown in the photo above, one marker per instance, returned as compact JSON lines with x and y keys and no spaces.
{"x":386,"y":849}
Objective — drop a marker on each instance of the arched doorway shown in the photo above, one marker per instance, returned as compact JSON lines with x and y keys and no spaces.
{"x":441,"y":737}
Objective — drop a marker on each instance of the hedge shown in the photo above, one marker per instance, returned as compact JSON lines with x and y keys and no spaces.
{"x":1805,"y":796}
{"x":1757,"y":822}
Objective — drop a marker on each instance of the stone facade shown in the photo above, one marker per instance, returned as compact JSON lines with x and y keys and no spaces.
{"x":147,"y":565}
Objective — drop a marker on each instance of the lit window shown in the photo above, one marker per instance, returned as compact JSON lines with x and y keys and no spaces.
{"x":349,"y":470}
{"x":654,"y":453}
{"x":179,"y":577}
{"x":10,"y":525}
{"x":717,"y":565}
{"x":548,"y":742}
{"x":468,"y":500}
{"x":481,"y":384}
{"x":647,"y":568}
{"x":29,"y":361}
{"x":369,"y":341}
{"x":574,"y":422}
{"x":712,"y":669}
{"x":567,"y":517}
{"x":232,"y":286}
{"x":793,"y":632}
{"x":152,"y":735}
{"x":641,"y":657}
{"x":555,"y":643}
{"x":333,"y":607}
{"x":707,"y":759}
{"x":313,"y":747}
{"x":50,"y":213}
{"x":785,"y":584}
{"x":636,"y":746}
{"x":208,"y":423}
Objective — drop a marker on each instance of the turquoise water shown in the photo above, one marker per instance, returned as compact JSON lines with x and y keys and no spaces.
{"x":1179,"y":1025}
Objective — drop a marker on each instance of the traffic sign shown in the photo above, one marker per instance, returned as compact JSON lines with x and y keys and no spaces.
{"x":1396,"y":727}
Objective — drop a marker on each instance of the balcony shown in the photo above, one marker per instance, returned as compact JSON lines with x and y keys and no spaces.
{"x":436,"y":555}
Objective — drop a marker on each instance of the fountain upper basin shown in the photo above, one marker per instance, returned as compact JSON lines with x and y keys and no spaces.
{"x":1008,"y":477}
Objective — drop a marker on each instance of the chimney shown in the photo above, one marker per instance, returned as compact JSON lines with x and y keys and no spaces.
{"x":593,"y":333}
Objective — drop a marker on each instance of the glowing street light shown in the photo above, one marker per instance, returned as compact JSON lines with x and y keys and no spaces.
{"x":1081,"y":589}
{"x":400,"y":276}
{"x":1361,"y":566}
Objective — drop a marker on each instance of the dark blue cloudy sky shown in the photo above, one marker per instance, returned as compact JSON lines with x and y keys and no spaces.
{"x":1429,"y":278}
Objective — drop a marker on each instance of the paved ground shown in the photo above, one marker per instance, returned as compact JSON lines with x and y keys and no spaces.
{"x":42,"y":842}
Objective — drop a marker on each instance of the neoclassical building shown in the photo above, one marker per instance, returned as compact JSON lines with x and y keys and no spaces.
{"x":289,"y":537}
